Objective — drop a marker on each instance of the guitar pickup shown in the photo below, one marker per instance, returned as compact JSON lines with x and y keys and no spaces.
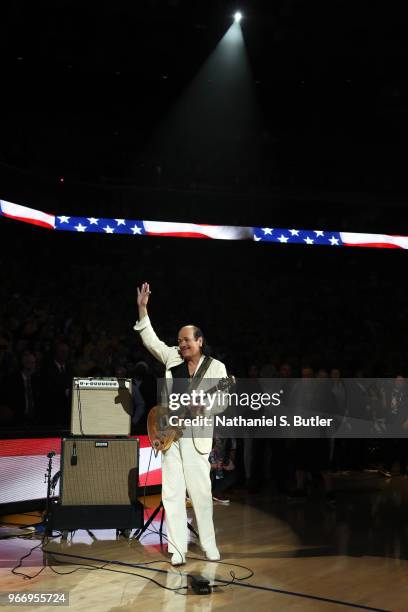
{"x":163,"y":422}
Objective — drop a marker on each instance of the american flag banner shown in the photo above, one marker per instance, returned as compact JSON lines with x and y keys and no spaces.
{"x":328,"y":238}
{"x":200,"y":230}
{"x":98,"y":225}
{"x":297,"y":236}
{"x":152,"y":228}
{"x":27,"y":215}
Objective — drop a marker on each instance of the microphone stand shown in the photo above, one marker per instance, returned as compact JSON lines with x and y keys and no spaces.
{"x":47,"y":479}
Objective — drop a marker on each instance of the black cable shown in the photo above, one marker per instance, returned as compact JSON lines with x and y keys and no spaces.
{"x":137,"y":532}
{"x":114,"y":562}
{"x":103,"y":567}
{"x":80,"y":410}
{"x":155,"y":531}
{"x":226,"y":583}
{"x":147,"y":475}
{"x":252,"y":573}
{"x":19,"y":564}
{"x":232,"y":574}
{"x":53,"y":554}
{"x":83,"y":567}
{"x":306,"y":596}
{"x":148,"y":530}
{"x":144,"y":505}
{"x":173,"y":589}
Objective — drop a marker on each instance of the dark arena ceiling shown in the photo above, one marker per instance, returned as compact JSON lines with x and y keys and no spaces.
{"x":85,"y":85}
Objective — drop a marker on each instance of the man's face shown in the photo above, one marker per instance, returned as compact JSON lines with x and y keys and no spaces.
{"x":189,"y":347}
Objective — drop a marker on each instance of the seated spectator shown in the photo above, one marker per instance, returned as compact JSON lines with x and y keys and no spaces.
{"x":21,"y":395}
{"x":58,"y":375}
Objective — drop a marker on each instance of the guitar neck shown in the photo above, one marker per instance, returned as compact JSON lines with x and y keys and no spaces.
{"x":223,"y":385}
{"x":212,"y":390}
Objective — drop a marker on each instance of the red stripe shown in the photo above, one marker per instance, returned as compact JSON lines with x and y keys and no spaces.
{"x":154,"y":477}
{"x":144,"y":441}
{"x":42,"y":446}
{"x":179,"y":234}
{"x":374,"y":245}
{"x":31,"y":221}
{"x":149,"y":511}
{"x":29,"y":446}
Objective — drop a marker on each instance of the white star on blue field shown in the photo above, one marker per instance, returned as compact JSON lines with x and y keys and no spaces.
{"x":297,"y":236}
{"x":99,"y":225}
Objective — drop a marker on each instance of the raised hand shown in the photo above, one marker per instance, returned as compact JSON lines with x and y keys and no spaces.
{"x":142,"y":299}
{"x":143,"y":294}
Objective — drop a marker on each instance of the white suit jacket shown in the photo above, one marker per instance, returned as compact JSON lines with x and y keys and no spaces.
{"x":170,"y":357}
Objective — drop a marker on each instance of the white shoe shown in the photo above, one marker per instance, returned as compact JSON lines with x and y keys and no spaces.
{"x":213,"y":554}
{"x":178,"y":559}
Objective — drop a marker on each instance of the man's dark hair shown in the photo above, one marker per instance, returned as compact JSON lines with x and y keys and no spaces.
{"x":205,"y":349}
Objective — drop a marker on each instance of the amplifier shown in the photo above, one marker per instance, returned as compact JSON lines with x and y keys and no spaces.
{"x":98,"y":471}
{"x":101,"y":406}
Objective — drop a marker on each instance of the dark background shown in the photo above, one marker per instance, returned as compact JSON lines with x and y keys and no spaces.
{"x":84,"y":87}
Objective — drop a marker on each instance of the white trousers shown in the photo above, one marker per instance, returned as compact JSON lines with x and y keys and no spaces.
{"x":184,"y":468}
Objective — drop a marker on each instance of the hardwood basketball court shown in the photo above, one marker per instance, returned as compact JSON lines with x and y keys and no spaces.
{"x":305,"y":557}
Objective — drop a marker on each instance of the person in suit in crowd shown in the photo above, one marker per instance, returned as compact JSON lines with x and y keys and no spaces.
{"x":22,"y":395}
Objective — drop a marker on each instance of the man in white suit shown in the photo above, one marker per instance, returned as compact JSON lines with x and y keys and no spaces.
{"x":185,"y":464}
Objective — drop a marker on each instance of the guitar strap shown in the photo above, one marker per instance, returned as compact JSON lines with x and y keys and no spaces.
{"x":199,"y":375}
{"x":195,"y":381}
{"x":181,"y":371}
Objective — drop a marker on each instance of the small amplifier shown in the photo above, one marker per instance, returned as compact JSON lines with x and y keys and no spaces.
{"x":101,"y":406}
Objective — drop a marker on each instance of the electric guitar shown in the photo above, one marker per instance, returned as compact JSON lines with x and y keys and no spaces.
{"x":161,"y":433}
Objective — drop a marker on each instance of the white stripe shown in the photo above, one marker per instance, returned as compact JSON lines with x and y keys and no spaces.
{"x":223,"y":232}
{"x":23,"y":212}
{"x":355,"y":238}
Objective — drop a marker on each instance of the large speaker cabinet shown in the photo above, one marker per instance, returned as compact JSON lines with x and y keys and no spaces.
{"x":101,"y":406}
{"x":97,"y":471}
{"x":98,"y":489}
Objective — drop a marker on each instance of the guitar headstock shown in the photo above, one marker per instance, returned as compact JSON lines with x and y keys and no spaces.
{"x":226,"y":383}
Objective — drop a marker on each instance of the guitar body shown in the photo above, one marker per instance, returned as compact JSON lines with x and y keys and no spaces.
{"x":161,"y":434}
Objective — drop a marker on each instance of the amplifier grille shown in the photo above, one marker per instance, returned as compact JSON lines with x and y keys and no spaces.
{"x":99,"y":471}
{"x":101,"y":410}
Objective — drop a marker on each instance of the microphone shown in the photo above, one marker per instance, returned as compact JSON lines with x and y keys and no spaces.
{"x":74,"y":456}
{"x":55,"y":479}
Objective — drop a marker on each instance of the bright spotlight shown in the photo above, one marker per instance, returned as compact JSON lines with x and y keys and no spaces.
{"x":237,"y":17}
